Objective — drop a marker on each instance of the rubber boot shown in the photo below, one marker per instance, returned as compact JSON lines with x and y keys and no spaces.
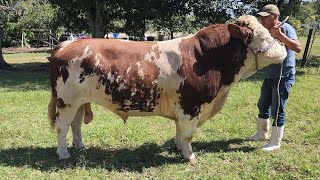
{"x":275,"y":140}
{"x":262,"y":130}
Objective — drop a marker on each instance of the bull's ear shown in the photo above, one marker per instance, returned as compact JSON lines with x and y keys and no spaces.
{"x":239,"y":32}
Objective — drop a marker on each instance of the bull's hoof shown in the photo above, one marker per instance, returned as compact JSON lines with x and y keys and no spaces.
{"x":64,"y":157}
{"x":193,"y":161}
{"x":80,"y":148}
{"x":83,"y":149}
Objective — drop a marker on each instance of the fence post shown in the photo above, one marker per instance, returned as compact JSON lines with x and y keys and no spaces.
{"x":306,"y":49}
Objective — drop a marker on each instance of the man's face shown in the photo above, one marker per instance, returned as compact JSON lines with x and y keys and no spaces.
{"x":269,"y":21}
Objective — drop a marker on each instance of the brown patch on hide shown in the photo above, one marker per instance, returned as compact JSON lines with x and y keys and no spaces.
{"x":239,"y":32}
{"x":214,"y":60}
{"x":60,"y":103}
{"x":88,"y":115}
{"x":128,"y":89}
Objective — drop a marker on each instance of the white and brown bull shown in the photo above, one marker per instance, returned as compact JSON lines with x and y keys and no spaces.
{"x":185,"y":79}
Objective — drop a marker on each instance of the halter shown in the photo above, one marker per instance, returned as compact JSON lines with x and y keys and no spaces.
{"x":262,"y":50}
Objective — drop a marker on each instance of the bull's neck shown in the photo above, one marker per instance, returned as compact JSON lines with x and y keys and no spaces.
{"x":227,"y":59}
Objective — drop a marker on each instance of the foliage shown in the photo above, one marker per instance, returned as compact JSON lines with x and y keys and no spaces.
{"x":296,"y":24}
{"x":6,"y":10}
{"x":12,"y":34}
{"x":69,"y":18}
{"x":306,"y":14}
{"x":208,"y":12}
{"x":135,"y":17}
{"x":36,"y":14}
{"x":30,"y":14}
{"x":175,"y":18}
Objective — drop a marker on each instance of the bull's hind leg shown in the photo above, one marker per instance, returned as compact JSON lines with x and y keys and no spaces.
{"x":64,"y":120}
{"x":185,"y":131}
{"x":76,"y":129}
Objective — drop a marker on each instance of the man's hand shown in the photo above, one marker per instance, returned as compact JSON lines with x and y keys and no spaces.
{"x":293,"y":44}
{"x":276,"y":32}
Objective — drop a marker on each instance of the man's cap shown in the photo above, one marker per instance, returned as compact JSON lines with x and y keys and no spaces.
{"x":268,"y":10}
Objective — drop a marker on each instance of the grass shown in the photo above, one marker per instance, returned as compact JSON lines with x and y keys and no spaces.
{"x":143,"y":148}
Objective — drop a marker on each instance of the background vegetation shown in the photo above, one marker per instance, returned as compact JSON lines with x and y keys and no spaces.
{"x":133,"y":17}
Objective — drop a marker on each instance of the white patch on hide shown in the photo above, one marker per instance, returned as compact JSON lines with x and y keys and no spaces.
{"x":110,"y":77}
{"x":261,"y":39}
{"x":180,"y":114}
{"x":120,"y":87}
{"x":168,"y":62}
{"x":140,"y":70}
{"x":97,"y":59}
{"x":124,"y":40}
{"x":64,"y":44}
{"x":129,"y":69}
{"x":68,"y":90}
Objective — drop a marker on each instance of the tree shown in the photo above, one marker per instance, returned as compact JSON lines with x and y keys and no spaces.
{"x":208,"y":12}
{"x":136,"y":14}
{"x":7,"y":7}
{"x":70,"y":16}
{"x":286,"y":7}
{"x":93,"y":16}
{"x":175,"y":19}
{"x":35,"y":14}
{"x":94,"y":10}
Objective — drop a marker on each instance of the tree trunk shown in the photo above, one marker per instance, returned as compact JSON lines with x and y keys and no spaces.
{"x":99,"y":20}
{"x":171,"y":34}
{"x":3,"y":63}
{"x":281,"y":5}
{"x":143,"y":29}
{"x":94,"y":11}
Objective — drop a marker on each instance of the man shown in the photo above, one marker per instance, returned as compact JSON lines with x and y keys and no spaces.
{"x":268,"y":102}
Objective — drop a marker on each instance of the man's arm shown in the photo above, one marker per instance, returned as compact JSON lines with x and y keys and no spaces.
{"x":293,"y":44}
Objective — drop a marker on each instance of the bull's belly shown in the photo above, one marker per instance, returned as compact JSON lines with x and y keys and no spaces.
{"x":164,"y":105}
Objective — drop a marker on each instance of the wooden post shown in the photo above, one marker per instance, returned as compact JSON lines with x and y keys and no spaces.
{"x":22,"y":39}
{"x":306,"y":49}
{"x":50,"y":40}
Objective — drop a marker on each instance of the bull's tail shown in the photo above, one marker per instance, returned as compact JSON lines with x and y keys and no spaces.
{"x":52,"y":111}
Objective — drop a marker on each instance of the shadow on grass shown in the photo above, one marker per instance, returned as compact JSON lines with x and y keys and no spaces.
{"x":26,"y":76}
{"x":29,"y":67}
{"x":32,"y":67}
{"x":145,"y":156}
{"x":223,"y":146}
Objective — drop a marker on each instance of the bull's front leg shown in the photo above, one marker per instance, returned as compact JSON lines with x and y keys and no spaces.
{"x":185,"y":130}
{"x":178,"y":139}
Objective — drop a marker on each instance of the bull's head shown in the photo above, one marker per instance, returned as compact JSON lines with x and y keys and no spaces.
{"x":265,"y":49}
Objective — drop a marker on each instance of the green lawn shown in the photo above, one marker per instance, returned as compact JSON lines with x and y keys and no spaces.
{"x":143,"y":148}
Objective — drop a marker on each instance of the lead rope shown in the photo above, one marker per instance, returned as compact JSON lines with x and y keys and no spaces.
{"x":278,"y":91}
